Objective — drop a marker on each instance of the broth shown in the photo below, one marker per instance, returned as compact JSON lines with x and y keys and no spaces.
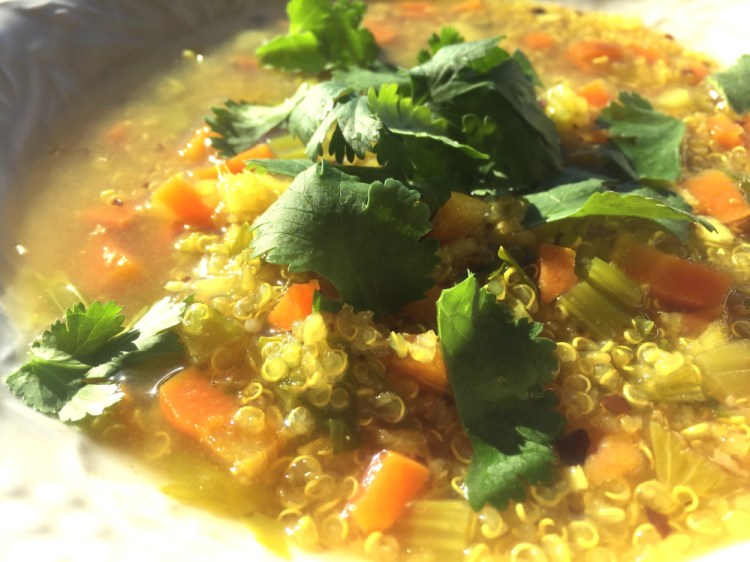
{"x":652,"y":461}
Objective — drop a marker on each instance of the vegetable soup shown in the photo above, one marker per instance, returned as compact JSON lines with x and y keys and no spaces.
{"x":423,"y":281}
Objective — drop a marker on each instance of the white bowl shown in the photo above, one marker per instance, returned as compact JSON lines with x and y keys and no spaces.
{"x":62,"y":498}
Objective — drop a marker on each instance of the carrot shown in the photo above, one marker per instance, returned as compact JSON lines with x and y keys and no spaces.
{"x":725,"y":132}
{"x":431,"y":374}
{"x":424,"y":309}
{"x":107,"y":266}
{"x":695,"y":70}
{"x":679,"y":284}
{"x":461,"y":215}
{"x":245,"y":62}
{"x":467,"y":6}
{"x":179,"y":199}
{"x":595,"y":93}
{"x":648,"y":52}
{"x":413,"y":10}
{"x":236,"y":163}
{"x":118,"y":133}
{"x":109,"y":216}
{"x":718,"y":196}
{"x":391,"y":481}
{"x":538,"y":41}
{"x":615,"y":457}
{"x":590,"y":55}
{"x":197,"y":148}
{"x":382,"y":31}
{"x":193,"y":406}
{"x":556,"y":271}
{"x":296,"y":304}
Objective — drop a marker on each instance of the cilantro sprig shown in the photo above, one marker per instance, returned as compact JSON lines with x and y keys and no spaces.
{"x":73,"y":366}
{"x":323,"y":34}
{"x":497,"y":367}
{"x":734,"y":83}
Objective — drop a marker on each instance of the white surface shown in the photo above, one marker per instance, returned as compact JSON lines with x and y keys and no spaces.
{"x":61,"y":499}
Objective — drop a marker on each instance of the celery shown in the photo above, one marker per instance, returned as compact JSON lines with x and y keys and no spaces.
{"x":204,"y":330}
{"x":604,"y":300}
{"x":677,"y":464}
{"x":609,"y":279}
{"x":442,"y":526}
{"x":726,"y":369}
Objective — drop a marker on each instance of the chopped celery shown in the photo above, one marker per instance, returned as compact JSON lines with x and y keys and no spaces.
{"x":443,"y":526}
{"x":609,"y":279}
{"x":726,"y":369}
{"x":679,"y":385}
{"x":677,"y":464}
{"x":600,"y":314}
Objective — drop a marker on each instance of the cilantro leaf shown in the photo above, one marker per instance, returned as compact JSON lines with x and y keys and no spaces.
{"x":497,"y":366}
{"x":70,"y":362}
{"x":240,"y":125}
{"x":651,"y":140}
{"x":448,"y":36}
{"x":591,"y":198}
{"x":734,"y":82}
{"x":323,"y":34}
{"x":364,"y":238}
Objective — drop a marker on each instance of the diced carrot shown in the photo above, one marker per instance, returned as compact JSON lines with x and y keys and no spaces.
{"x":245,"y":62}
{"x":596,"y":93}
{"x":106,"y":266}
{"x":109,"y":216}
{"x":679,"y":284}
{"x":118,"y":133}
{"x":538,"y":41}
{"x":197,"y":148}
{"x":746,"y":123}
{"x":718,"y":196}
{"x":431,"y":374}
{"x":692,"y":324}
{"x":695,"y":70}
{"x":413,"y":10}
{"x":725,"y":132}
{"x":296,"y":304}
{"x":192,"y":405}
{"x":424,"y":309}
{"x":462,"y":215}
{"x":467,"y":6}
{"x":615,"y":457}
{"x":591,"y":55}
{"x":391,"y":481}
{"x":556,"y":271}
{"x":649,"y":52}
{"x":236,"y":163}
{"x":382,"y":31}
{"x":179,"y":199}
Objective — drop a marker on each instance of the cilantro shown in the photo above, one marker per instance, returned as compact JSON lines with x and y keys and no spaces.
{"x":323,"y":34}
{"x":497,"y":366}
{"x":363,"y":238}
{"x":651,"y":140}
{"x":590,"y":197}
{"x":73,"y":363}
{"x":734,"y":82}
{"x":448,"y":36}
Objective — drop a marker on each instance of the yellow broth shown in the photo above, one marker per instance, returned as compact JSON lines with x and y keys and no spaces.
{"x":668,"y":480}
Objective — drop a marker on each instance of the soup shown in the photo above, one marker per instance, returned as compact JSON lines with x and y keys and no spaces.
{"x":500,"y":316}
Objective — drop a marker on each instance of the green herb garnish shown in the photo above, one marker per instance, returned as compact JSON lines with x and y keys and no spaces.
{"x":734,"y":82}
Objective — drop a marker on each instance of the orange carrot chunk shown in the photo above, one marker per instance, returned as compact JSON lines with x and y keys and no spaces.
{"x":192,"y":405}
{"x":556,"y":271}
{"x":182,"y":202}
{"x":296,"y":304}
{"x":382,"y":31}
{"x":679,"y":284}
{"x":718,"y":196}
{"x":431,"y":374}
{"x":596,"y":93}
{"x":461,"y":215}
{"x":235,"y":164}
{"x":590,"y":55}
{"x":109,"y":216}
{"x":197,"y":148}
{"x":615,"y":457}
{"x":725,"y":132}
{"x":538,"y":41}
{"x":391,"y":481}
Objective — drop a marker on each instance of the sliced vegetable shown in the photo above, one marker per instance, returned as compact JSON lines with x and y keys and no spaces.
{"x":679,"y":284}
{"x":444,"y":526}
{"x":391,"y":480}
{"x":419,"y":357}
{"x":461,"y":215}
{"x":179,"y":199}
{"x":594,"y":55}
{"x":197,"y":148}
{"x":615,"y":457}
{"x":295,"y":304}
{"x":727,"y":133}
{"x":717,"y":195}
{"x":596,"y":93}
{"x":556,"y":271}
{"x":726,"y":369}
{"x":192,"y":405}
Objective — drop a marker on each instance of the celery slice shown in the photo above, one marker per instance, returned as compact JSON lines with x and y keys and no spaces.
{"x":609,"y":279}
{"x":600,"y":314}
{"x":726,"y":369}
{"x":443,"y":526}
